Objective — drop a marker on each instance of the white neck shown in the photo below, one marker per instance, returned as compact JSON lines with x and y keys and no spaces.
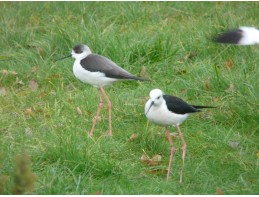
{"x":81,"y":56}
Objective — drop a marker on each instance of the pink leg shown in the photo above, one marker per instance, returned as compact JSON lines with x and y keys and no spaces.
{"x":109,"y":110}
{"x":97,"y":114}
{"x":172,"y":152}
{"x":184,"y":151}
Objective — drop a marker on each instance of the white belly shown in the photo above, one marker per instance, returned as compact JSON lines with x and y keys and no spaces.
{"x":250,"y":36}
{"x":162,"y":116}
{"x":96,"y":79}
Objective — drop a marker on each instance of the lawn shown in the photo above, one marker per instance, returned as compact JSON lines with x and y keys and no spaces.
{"x":46,"y":113}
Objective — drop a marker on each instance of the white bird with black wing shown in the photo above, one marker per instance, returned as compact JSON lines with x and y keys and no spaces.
{"x":98,"y":71}
{"x":169,"y":110}
{"x":240,"y":36}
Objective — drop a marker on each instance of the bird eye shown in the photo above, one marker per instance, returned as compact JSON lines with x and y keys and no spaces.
{"x":78,"y":49}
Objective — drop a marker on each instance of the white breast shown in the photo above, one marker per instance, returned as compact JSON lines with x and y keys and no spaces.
{"x":162,"y":116}
{"x":250,"y":36}
{"x":96,"y":79}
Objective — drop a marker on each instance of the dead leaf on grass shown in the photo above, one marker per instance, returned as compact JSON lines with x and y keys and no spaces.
{"x":2,"y":91}
{"x":156,"y":160}
{"x":231,"y":88}
{"x":144,"y":158}
{"x":233,"y":144}
{"x":189,"y":55}
{"x":34,"y":68}
{"x":143,"y":99}
{"x":229,"y":64}
{"x":12,"y":72}
{"x":215,"y":99}
{"x":184,"y":91}
{"x":143,"y":72}
{"x":207,"y":84}
{"x":219,"y":191}
{"x":19,"y":82}
{"x":70,"y":87}
{"x":4,"y":72}
{"x":7,"y":72}
{"x":78,"y":110}
{"x":33,"y":84}
{"x":133,"y":137}
{"x":70,"y":100}
{"x":28,"y":112}
{"x":28,"y":131}
{"x":42,"y":94}
{"x":156,"y":171}
{"x":97,"y":193}
{"x":40,"y":51}
{"x":51,"y":77}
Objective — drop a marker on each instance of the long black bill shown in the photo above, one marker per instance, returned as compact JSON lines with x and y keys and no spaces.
{"x":64,"y":57}
{"x":152,"y":103}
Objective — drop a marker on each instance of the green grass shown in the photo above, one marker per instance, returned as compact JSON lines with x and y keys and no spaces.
{"x":158,"y":36}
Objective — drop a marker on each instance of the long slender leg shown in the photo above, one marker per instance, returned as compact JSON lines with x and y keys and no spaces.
{"x":171,"y":154}
{"x":184,"y":151}
{"x":109,"y":110}
{"x":97,"y":114}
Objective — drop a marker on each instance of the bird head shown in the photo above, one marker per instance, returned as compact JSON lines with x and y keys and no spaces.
{"x":79,"y":52}
{"x":156,"y":98}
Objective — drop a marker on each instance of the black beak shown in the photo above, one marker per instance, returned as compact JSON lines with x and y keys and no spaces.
{"x":152,"y":103}
{"x":70,"y":55}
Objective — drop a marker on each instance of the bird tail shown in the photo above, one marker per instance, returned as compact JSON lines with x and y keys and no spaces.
{"x":200,"y":107}
{"x":142,"y":79}
{"x":139,"y":78}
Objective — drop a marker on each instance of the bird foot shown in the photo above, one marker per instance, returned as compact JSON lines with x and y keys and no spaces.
{"x":110,"y":133}
{"x":106,"y":135}
{"x":181,"y":179}
{"x":97,"y":119}
{"x":168,"y":175}
{"x":90,"y":135}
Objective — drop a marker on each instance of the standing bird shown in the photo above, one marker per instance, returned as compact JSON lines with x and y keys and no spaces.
{"x":169,"y":110}
{"x":98,"y":71}
{"x":240,"y":36}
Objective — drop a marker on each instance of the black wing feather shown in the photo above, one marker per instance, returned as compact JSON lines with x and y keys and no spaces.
{"x":178,"y":106}
{"x":98,"y":63}
{"x":231,"y":37}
